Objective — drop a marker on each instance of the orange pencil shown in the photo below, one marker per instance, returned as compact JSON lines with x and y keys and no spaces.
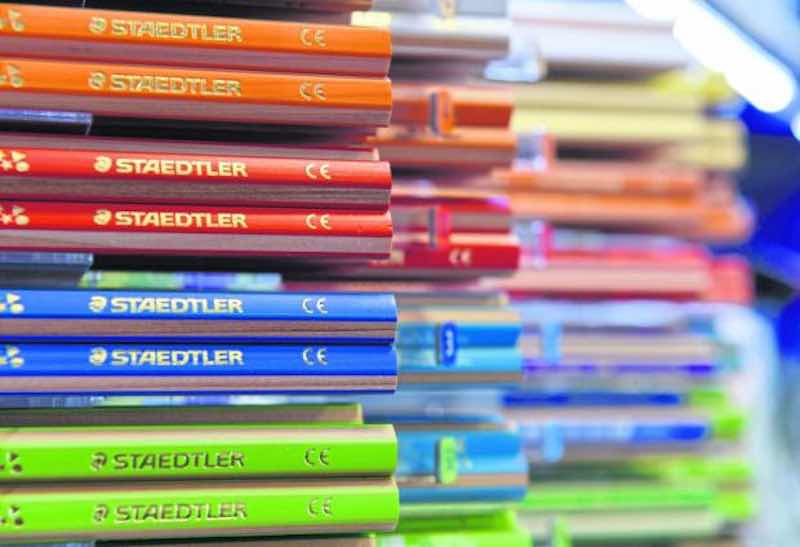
{"x":666,"y":213}
{"x":190,"y":94}
{"x":190,"y":41}
{"x":596,"y":177}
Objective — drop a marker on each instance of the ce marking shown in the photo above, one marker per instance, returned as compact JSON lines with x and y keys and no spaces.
{"x":320,"y":357}
{"x":320,"y":507}
{"x":318,"y":456}
{"x":310,"y":37}
{"x":315,"y":221}
{"x":460,"y":257}
{"x":311,"y":304}
{"x":310,"y":91}
{"x":323,"y":171}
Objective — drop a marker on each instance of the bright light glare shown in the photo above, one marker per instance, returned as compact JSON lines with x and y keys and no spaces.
{"x":750,"y":70}
{"x":795,"y":125}
{"x":658,"y":10}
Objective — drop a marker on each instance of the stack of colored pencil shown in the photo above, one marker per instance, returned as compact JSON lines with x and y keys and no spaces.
{"x":139,"y":143}
{"x":137,"y":473}
{"x":303,"y":96}
{"x":202,"y":247}
{"x":632,"y":409}
{"x":161,"y":342}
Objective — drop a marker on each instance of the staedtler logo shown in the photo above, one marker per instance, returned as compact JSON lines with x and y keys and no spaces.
{"x":102,"y":217}
{"x":98,"y":356}
{"x":12,"y":356}
{"x":98,"y":303}
{"x":13,"y":215}
{"x":13,"y":160}
{"x":11,"y":303}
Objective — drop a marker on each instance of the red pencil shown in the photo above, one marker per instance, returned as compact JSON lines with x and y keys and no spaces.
{"x":127,"y":229}
{"x":31,"y":173}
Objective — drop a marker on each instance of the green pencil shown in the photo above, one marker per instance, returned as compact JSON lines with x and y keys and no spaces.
{"x":197,"y":509}
{"x":201,"y":451}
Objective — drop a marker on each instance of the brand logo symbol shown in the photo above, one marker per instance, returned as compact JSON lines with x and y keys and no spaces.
{"x":14,"y":161}
{"x":12,"y":515}
{"x":100,"y":513}
{"x":97,"y":80}
{"x":12,"y":20}
{"x":98,"y":356}
{"x":99,"y":460}
{"x":12,"y":463}
{"x":97,"y":25}
{"x":12,"y":76}
{"x":12,"y":357}
{"x":103,"y":164}
{"x":12,"y":303}
{"x":102,"y":217}
{"x":15,"y":216}
{"x":98,"y":303}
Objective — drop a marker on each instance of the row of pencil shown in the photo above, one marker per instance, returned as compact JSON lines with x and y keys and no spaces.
{"x":182,"y":134}
{"x":637,"y":396}
{"x":318,"y":195}
{"x":527,"y":266}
